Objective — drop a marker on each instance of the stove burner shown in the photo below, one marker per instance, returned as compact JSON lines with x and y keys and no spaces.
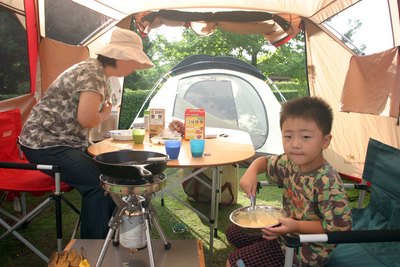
{"x":136,"y":186}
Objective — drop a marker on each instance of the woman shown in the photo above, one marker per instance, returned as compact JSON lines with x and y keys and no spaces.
{"x":57,"y":129}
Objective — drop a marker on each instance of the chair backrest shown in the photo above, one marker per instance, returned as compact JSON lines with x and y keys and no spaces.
{"x":11,"y":179}
{"x":10,"y":128}
{"x":383,"y":172}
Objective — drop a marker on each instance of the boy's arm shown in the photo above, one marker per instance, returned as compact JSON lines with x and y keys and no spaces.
{"x":289,"y":225}
{"x":248,"y":182}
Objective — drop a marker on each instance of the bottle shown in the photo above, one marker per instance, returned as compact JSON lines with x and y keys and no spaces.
{"x":146,"y":120}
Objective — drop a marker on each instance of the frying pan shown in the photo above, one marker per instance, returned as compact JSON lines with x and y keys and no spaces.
{"x":131,"y":164}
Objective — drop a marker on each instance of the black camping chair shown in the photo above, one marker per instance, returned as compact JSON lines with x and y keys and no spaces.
{"x":375,"y":236}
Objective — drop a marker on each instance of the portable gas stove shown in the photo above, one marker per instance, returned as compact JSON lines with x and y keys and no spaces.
{"x":134,"y":215}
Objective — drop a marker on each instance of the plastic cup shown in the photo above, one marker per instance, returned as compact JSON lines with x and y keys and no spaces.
{"x":172,"y":148}
{"x":138,"y":136}
{"x":197,"y":147}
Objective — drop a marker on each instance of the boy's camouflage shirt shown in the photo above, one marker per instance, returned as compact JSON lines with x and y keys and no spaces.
{"x":313,"y":195}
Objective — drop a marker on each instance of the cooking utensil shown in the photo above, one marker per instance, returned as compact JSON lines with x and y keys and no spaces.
{"x":265,"y":216}
{"x":252,"y":205}
{"x":122,"y":164}
{"x":141,"y":165}
{"x":252,"y":201}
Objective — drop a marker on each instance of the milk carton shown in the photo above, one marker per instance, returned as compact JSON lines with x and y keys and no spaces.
{"x":156,"y":121}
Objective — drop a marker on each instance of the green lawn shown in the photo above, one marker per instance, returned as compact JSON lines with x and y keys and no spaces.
{"x":41,"y":231}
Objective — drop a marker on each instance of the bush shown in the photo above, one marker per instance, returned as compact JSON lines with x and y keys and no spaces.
{"x":132,"y":100}
{"x":291,"y":90}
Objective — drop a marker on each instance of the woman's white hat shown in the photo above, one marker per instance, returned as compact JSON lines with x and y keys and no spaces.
{"x":126,"y":45}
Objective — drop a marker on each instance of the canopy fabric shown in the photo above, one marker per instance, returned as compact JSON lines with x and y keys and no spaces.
{"x":374,"y":81}
{"x":55,"y":57}
{"x":276,"y":28}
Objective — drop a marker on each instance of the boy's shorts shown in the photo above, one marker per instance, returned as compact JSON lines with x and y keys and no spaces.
{"x":253,"y":251}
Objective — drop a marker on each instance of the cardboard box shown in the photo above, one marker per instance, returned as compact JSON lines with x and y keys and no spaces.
{"x":156,"y":121}
{"x":195,"y":123}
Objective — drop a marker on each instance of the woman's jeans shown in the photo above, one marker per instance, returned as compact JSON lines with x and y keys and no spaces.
{"x":80,"y":171}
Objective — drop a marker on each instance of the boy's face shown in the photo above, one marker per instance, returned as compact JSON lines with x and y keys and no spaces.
{"x":304,"y":142}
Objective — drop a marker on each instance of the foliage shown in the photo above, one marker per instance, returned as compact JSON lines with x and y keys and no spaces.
{"x":288,"y":60}
{"x":132,"y":100}
{"x":291,"y":90}
{"x":14,"y":70}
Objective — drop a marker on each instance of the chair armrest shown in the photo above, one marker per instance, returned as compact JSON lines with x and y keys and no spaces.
{"x":28,"y":166}
{"x":356,"y":236}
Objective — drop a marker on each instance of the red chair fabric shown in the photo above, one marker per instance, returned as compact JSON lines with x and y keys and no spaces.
{"x":17,"y":180}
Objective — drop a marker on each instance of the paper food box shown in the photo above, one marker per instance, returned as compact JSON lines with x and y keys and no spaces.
{"x":195,"y":123}
{"x":156,"y":121}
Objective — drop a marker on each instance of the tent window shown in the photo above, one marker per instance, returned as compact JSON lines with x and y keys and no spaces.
{"x":72,"y":23}
{"x":229,"y":102}
{"x":14,"y":67}
{"x":355,"y":26}
{"x":214,"y":96}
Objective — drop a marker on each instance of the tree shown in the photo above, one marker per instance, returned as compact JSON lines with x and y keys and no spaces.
{"x":287,"y":60}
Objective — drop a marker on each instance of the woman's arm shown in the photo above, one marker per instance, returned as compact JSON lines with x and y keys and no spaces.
{"x":89,"y":115}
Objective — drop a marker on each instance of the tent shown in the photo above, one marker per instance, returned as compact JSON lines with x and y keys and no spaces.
{"x":233,"y":93}
{"x":362,"y":89}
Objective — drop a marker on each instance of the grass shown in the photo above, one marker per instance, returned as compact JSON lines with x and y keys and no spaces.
{"x":41,"y":231}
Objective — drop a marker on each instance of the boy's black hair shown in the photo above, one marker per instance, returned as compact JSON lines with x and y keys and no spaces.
{"x":309,"y":108}
{"x":106,"y":61}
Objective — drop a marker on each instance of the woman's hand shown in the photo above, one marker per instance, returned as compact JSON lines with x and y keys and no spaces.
{"x":88,"y":114}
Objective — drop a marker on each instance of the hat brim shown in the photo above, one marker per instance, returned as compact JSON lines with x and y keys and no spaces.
{"x":126,"y":53}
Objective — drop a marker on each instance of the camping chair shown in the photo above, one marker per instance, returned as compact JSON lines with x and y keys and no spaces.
{"x":375,"y":236}
{"x":18,"y":176}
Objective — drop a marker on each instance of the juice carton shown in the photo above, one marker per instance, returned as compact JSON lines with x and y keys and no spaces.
{"x":195,"y":123}
{"x":156,"y":121}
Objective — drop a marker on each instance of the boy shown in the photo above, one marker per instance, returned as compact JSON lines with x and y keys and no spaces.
{"x":313,"y":198}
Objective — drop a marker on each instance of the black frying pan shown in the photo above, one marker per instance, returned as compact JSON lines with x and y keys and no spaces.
{"x":131,"y":164}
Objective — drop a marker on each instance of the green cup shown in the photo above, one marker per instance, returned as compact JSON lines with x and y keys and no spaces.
{"x":138,"y":136}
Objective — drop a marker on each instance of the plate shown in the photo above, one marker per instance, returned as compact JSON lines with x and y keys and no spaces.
{"x":257,"y":217}
{"x":211,"y":133}
{"x":159,"y":140}
{"x":121,"y":135}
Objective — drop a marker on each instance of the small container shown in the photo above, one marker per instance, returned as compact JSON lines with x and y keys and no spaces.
{"x":197,"y":147}
{"x":138,"y":136}
{"x":132,"y":232}
{"x":146,"y":117}
{"x":172,"y":148}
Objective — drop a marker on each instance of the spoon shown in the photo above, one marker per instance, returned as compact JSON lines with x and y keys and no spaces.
{"x":252,"y":208}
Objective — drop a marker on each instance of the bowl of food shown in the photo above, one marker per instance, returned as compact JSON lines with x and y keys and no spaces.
{"x":121,"y":135}
{"x":252,"y":219}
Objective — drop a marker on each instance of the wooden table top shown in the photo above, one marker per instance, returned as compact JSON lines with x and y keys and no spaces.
{"x":230,"y":146}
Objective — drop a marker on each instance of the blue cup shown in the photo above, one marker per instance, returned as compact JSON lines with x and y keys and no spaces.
{"x":197,"y":147}
{"x":172,"y":147}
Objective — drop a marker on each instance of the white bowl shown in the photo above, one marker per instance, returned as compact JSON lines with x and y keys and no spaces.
{"x":161,"y":140}
{"x":121,"y":135}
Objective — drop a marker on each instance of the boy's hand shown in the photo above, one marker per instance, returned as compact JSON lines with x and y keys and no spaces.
{"x":248,"y":183}
{"x":287,"y":225}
